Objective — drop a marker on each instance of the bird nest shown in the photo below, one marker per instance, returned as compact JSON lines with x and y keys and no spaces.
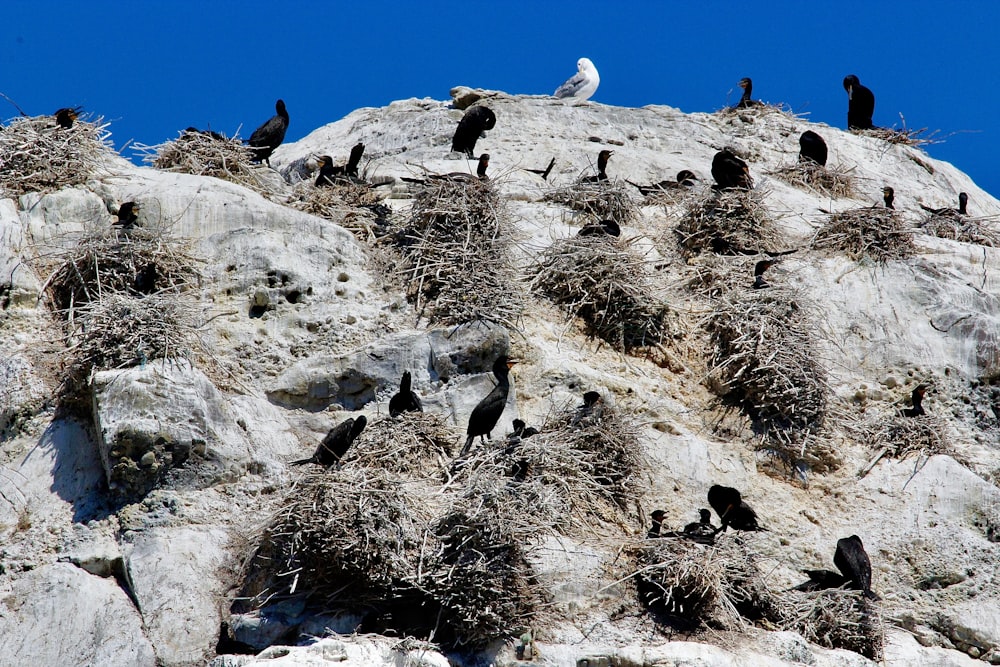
{"x":599,"y":279}
{"x":727,"y":222}
{"x":835,"y":619}
{"x":901,"y":436}
{"x":876,"y":233}
{"x":961,"y":228}
{"x":37,"y":155}
{"x":350,"y":205}
{"x":408,"y":444}
{"x":765,"y":360}
{"x":833,"y":182}
{"x":692,"y":585}
{"x":454,"y":254}
{"x":904,"y":137}
{"x":606,"y":200}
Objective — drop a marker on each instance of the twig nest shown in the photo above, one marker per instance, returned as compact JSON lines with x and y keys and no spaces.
{"x":902,"y":436}
{"x":962,"y":228}
{"x":727,"y":222}
{"x":353,"y":206}
{"x":417,"y":443}
{"x":836,"y":619}
{"x":835,"y":182}
{"x":904,"y":137}
{"x":605,"y":200}
{"x":877,"y":233}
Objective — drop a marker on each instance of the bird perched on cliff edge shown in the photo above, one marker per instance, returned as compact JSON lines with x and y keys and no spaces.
{"x":474,"y":124}
{"x":404,"y":400}
{"x":581,"y":85}
{"x":269,"y":136}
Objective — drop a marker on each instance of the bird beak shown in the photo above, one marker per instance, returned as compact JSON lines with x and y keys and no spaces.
{"x":850,"y":92}
{"x":510,"y":364}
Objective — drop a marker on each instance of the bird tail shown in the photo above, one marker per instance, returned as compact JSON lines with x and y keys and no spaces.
{"x":301,"y":462}
{"x":468,"y":445}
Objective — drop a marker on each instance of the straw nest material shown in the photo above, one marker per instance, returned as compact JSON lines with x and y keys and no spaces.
{"x":876,"y":233}
{"x":835,"y":619}
{"x":901,"y":436}
{"x":961,"y":228}
{"x":764,"y":359}
{"x":410,"y":443}
{"x":600,"y":280}
{"x":905,"y":137}
{"x":37,"y":155}
{"x":691,"y":585}
{"x":606,"y":200}
{"x":727,"y":222}
{"x":454,"y":254}
{"x":833,"y":182}
{"x":353,"y":206}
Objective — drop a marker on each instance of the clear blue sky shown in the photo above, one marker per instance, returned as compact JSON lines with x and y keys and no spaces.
{"x":154,"y":68}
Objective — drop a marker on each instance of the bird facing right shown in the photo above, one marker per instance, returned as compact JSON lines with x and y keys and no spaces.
{"x":487,"y":413}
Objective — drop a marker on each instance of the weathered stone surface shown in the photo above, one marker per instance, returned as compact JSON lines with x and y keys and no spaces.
{"x":356,"y":651}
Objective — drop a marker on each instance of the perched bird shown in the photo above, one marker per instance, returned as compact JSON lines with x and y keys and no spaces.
{"x":860,"y":104}
{"x":852,"y":560}
{"x":330,"y":173}
{"x":963,"y":203}
{"x":603,"y":228}
{"x":487,"y":413}
{"x":602,"y":166}
{"x":544,"y":173}
{"x":917,"y":399}
{"x":812,"y":147}
{"x":269,"y":136}
{"x":591,"y":410}
{"x":685,"y":179}
{"x":702,"y":531}
{"x":746,"y":102}
{"x":476,"y":121}
{"x":456,"y":176}
{"x":337,"y":442}
{"x":66,"y":116}
{"x":145,"y":279}
{"x":658,"y":516}
{"x":758,"y":273}
{"x":208,"y":133}
{"x":581,"y":85}
{"x":404,"y":400}
{"x":128,"y":215}
{"x":730,"y":171}
{"x":728,"y":504}
{"x":522,"y":430}
{"x":888,"y":196}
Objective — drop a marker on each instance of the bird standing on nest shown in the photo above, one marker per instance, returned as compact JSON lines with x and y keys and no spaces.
{"x":746,"y":101}
{"x":657,"y":516}
{"x":269,"y":136}
{"x":732,"y":510}
{"x":404,"y":400}
{"x":487,"y":413}
{"x":812,"y":148}
{"x":66,"y":116}
{"x":729,"y":171}
{"x":336,"y":443}
{"x":917,"y":399}
{"x":456,"y":176}
{"x":860,"y":104}
{"x":474,"y":124}
{"x":948,"y":212}
{"x":330,"y":173}
{"x":855,"y":569}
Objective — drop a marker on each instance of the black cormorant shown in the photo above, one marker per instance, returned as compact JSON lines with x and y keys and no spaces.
{"x":337,"y":442}
{"x":963,"y":203}
{"x":729,"y":171}
{"x":860,"y":104}
{"x":758,"y":273}
{"x":487,"y":413}
{"x":702,"y":531}
{"x":456,"y":176}
{"x":544,"y":173}
{"x":917,"y":398}
{"x":330,"y":173}
{"x":522,"y":430}
{"x":888,"y":196}
{"x":145,"y":279}
{"x":404,"y":400}
{"x":128,"y":215}
{"x":746,"y":101}
{"x":603,"y":228}
{"x":658,"y":516}
{"x":685,"y":179}
{"x":67,"y":115}
{"x":269,"y":136}
{"x":474,"y":124}
{"x":211,"y":134}
{"x":852,"y":560}
{"x":812,"y":147}
{"x":728,"y":504}
{"x":591,"y":410}
{"x":602,"y":166}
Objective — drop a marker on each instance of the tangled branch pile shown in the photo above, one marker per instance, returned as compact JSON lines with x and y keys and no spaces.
{"x":37,"y":155}
{"x":598,"y":279}
{"x":835,"y":619}
{"x":455,"y":254}
{"x":877,"y":233}
{"x":961,"y":228}
{"x":765,"y":360}
{"x":904,"y":137}
{"x":808,"y":175}
{"x":693,"y":585}
{"x":727,"y":222}
{"x":902,"y":436}
{"x":605,"y":200}
{"x":353,"y":206}
{"x":712,"y":276}
{"x":410,"y":443}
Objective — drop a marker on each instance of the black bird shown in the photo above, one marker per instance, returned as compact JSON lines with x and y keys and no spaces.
{"x":474,"y":124}
{"x":269,"y":136}
{"x":728,"y":504}
{"x":812,"y":148}
{"x":963,"y":203}
{"x":657,"y":517}
{"x":685,"y":179}
{"x":404,"y":400}
{"x":522,"y":430}
{"x":456,"y":176}
{"x":602,"y":165}
{"x":758,"y":273}
{"x":852,"y":560}
{"x":917,"y":398}
{"x":336,"y":443}
{"x":485,"y":416}
{"x":67,"y":115}
{"x":746,"y":102}
{"x":145,"y":279}
{"x":327,"y":171}
{"x":729,"y":171}
{"x":208,"y":133}
{"x":591,"y":410}
{"x":128,"y":215}
{"x":330,"y":173}
{"x":604,"y":228}
{"x":888,"y":196}
{"x":860,"y":104}
{"x":544,"y":173}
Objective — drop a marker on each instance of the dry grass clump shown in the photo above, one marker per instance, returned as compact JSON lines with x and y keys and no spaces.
{"x":693,"y":585}
{"x":905,"y":137}
{"x":421,"y":442}
{"x":835,"y":619}
{"x":833,"y":182}
{"x":961,"y":228}
{"x":727,"y":222}
{"x":37,"y":155}
{"x":877,"y":233}
{"x":901,"y":436}
{"x":350,"y":205}
{"x":598,"y":279}
{"x":606,"y":200}
{"x":455,"y":254}
{"x":765,"y":360}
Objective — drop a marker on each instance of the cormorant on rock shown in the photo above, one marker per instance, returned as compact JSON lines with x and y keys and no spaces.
{"x":602,"y":165}
{"x":591,"y":410}
{"x":963,"y":203}
{"x":658,"y":516}
{"x":888,"y":196}
{"x":685,"y":179}
{"x":746,"y":102}
{"x":404,"y":400}
{"x":336,"y":443}
{"x":476,"y":121}
{"x":604,"y":228}
{"x":269,"y":136}
{"x":485,"y":416}
{"x":581,"y":85}
{"x":544,"y":173}
{"x":860,"y":104}
{"x":812,"y":147}
{"x":728,"y":504}
{"x":917,"y":398}
{"x":729,"y":171}
{"x":852,"y":560}
{"x":758,"y":273}
{"x":66,"y":116}
{"x":456,"y":176}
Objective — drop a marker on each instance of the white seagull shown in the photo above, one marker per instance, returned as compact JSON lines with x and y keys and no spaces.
{"x":583,"y":84}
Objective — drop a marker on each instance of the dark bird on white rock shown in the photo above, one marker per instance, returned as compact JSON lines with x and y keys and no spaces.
{"x":732,"y":510}
{"x":487,"y":413}
{"x":474,"y":124}
{"x":812,"y":148}
{"x":336,"y":443}
{"x":602,"y":166}
{"x":948,"y":212}
{"x":269,"y":136}
{"x":405,"y":400}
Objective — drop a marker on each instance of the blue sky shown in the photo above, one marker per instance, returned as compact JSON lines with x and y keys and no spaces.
{"x":154,"y":68}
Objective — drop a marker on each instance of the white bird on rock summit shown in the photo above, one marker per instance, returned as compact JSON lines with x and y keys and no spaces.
{"x":583,"y":84}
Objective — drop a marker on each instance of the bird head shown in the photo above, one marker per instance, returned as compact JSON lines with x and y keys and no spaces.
{"x":279,"y":106}
{"x":745,"y":83}
{"x":685,"y":177}
{"x":963,"y":199}
{"x":127,"y":209}
{"x":706,"y":515}
{"x":584,"y":64}
{"x":590,"y":398}
{"x":849,"y":82}
{"x":658,"y":516}
{"x":323,"y":160}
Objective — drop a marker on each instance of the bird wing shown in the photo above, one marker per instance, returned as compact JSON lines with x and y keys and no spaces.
{"x":333,"y":440}
{"x":572,"y":85}
{"x":852,"y":560}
